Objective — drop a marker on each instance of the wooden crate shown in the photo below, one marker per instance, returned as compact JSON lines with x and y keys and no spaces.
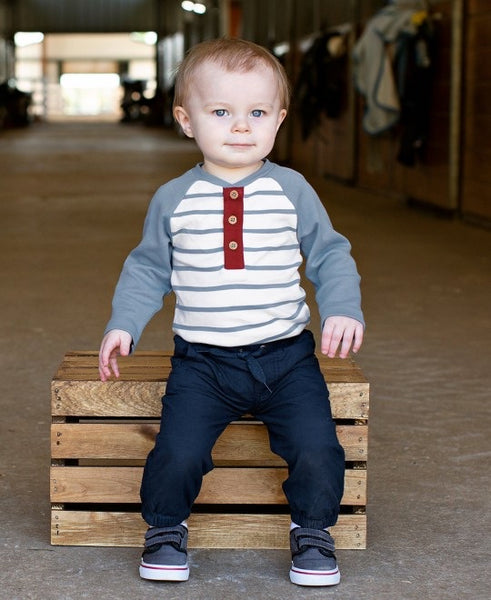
{"x":101,"y":434}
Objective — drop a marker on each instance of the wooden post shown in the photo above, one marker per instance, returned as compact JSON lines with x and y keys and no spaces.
{"x":456,"y":83}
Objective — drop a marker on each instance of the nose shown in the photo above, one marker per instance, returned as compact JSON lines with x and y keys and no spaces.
{"x":240,"y":125}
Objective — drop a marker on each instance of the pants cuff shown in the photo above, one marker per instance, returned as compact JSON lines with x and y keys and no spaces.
{"x":320,"y":523}
{"x":154,"y":520}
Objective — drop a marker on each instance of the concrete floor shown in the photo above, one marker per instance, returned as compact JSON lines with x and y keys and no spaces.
{"x":72,"y":201}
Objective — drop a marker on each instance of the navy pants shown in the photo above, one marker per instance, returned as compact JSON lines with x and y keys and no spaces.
{"x":279,"y":383}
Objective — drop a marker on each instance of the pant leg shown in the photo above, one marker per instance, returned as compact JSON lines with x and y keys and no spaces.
{"x":194,"y":414}
{"x":302,"y":432}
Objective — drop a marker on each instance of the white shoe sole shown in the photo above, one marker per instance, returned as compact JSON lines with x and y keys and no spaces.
{"x":164,"y":572}
{"x":314,"y":578}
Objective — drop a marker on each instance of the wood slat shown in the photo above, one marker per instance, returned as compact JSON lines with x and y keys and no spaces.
{"x":143,"y":399}
{"x":220,"y":486}
{"x":91,"y":528}
{"x":111,"y":399}
{"x":243,"y":443}
{"x":86,"y":363}
{"x":77,"y":391}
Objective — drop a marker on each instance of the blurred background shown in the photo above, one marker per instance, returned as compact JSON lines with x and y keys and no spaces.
{"x":115,"y":60}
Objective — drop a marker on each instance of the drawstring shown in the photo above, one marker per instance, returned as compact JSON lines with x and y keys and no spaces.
{"x":248,"y":354}
{"x":257,"y":371}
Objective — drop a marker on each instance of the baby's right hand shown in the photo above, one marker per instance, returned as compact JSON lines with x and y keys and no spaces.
{"x":115,"y":342}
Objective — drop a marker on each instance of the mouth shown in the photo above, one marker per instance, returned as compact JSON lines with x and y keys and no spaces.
{"x":239,"y":146}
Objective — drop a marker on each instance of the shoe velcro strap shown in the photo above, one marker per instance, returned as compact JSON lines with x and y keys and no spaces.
{"x":313,"y":538}
{"x":164,"y":537}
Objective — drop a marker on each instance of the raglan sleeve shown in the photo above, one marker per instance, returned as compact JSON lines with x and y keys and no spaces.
{"x":328,"y":261}
{"x":146,"y":273}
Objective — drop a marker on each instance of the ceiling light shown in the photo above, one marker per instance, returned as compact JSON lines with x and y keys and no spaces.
{"x":26,"y":38}
{"x":197,"y":7}
{"x":146,"y":37}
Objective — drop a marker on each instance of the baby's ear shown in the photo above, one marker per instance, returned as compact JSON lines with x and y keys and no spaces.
{"x":182,"y":117}
{"x":281,"y":117}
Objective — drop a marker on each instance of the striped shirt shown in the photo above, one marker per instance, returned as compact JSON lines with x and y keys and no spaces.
{"x":231,"y":254}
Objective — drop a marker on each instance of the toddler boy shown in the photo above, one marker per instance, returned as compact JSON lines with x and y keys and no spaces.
{"x":227,"y":237}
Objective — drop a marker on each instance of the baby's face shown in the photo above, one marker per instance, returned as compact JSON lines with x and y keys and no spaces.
{"x":234,"y":117}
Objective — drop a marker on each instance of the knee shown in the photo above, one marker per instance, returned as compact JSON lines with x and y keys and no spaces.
{"x":182,"y":456}
{"x":314,"y":455}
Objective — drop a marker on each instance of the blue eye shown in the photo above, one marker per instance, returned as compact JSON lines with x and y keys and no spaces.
{"x":257,"y":113}
{"x":220,"y":112}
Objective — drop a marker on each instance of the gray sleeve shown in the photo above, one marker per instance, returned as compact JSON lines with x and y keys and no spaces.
{"x":145,"y":277}
{"x":329,"y":264}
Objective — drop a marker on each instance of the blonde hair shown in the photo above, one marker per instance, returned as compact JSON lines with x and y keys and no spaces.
{"x":232,"y":55}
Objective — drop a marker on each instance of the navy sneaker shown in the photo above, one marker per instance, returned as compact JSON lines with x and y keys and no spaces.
{"x":313,"y":558}
{"x":165,"y":556}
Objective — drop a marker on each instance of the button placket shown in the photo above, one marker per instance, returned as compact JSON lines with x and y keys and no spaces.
{"x":233,"y":213}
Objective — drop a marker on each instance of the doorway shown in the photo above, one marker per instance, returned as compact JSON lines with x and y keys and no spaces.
{"x":76,"y":76}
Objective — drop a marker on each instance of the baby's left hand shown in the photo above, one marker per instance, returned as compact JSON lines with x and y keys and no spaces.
{"x":343,"y":331}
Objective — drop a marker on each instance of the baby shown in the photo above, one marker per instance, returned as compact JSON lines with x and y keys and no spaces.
{"x":228,"y":238}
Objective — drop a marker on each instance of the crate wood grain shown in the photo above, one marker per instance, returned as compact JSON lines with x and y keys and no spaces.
{"x":77,"y":391}
{"x":242,"y":443}
{"x":227,"y":485}
{"x":102,"y":432}
{"x":205,"y":530}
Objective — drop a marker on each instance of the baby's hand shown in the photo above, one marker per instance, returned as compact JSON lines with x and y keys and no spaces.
{"x":114,"y":342}
{"x":341,"y":330}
